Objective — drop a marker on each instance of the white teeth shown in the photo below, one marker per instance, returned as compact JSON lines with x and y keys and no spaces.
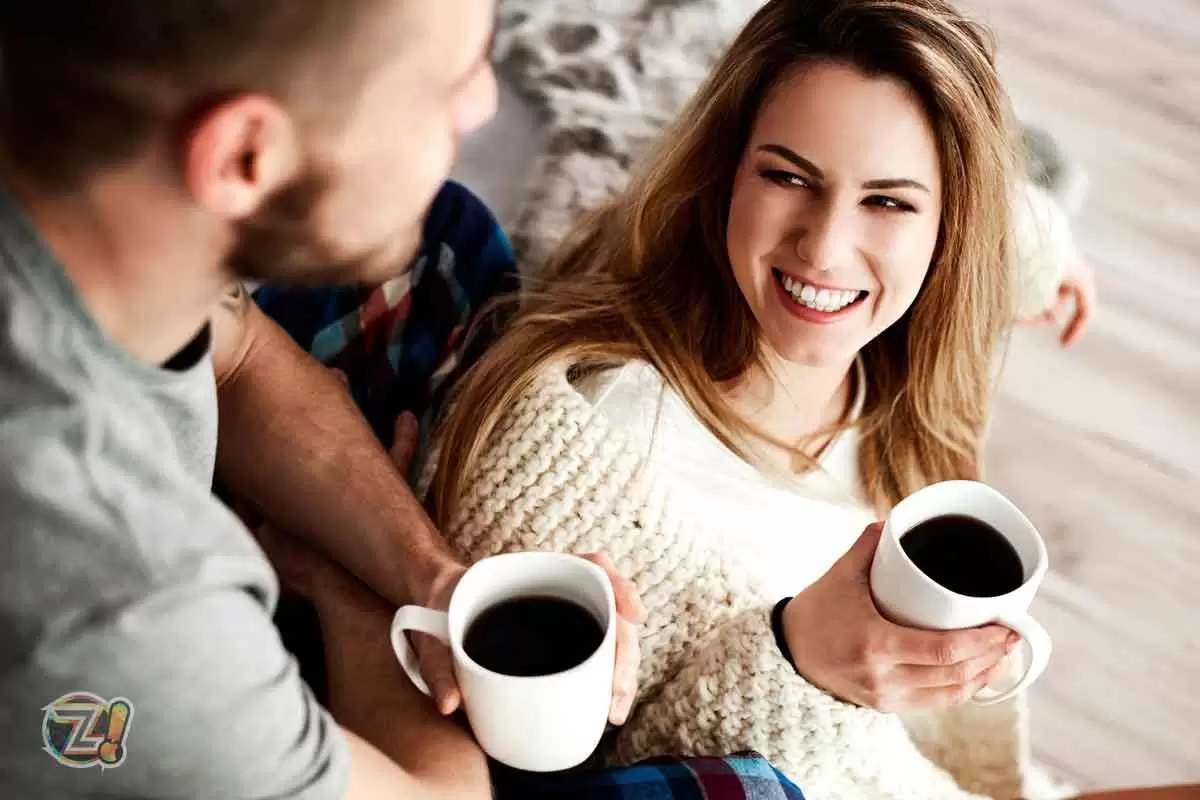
{"x":827,"y":300}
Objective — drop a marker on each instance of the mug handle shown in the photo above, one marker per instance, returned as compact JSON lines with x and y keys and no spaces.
{"x":1037,"y":643}
{"x":423,"y":620}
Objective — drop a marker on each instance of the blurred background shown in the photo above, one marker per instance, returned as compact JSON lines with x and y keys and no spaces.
{"x":1099,"y":444}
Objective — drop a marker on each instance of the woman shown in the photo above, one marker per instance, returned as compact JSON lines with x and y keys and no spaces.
{"x":782,"y":328}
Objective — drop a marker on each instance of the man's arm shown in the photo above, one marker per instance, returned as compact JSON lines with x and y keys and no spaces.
{"x":292,"y":442}
{"x":370,"y":696}
{"x":406,"y":749}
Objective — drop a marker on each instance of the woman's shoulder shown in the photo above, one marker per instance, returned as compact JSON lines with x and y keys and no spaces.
{"x":629,"y":396}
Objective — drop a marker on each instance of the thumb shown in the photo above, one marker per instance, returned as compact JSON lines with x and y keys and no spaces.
{"x":862,"y":551}
{"x":437,"y":668}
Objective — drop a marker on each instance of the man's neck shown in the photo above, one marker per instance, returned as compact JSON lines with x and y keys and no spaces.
{"x":143,"y":266}
{"x":794,"y":403}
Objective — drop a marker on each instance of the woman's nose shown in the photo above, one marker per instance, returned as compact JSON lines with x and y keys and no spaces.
{"x":826,"y":238}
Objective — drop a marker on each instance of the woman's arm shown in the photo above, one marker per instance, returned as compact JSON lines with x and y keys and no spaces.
{"x":736,"y":692}
{"x":1054,"y":283}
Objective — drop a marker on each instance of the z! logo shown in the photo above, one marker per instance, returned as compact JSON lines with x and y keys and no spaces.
{"x":82,"y":730}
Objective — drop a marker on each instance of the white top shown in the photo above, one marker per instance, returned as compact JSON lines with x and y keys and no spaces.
{"x":786,"y":535}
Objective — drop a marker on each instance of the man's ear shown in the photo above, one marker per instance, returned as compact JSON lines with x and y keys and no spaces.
{"x":239,"y":153}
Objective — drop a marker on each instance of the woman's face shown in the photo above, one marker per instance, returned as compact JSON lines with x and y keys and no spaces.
{"x":835,"y":211}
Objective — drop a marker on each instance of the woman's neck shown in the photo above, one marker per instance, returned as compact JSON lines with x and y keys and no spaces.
{"x":794,"y":403}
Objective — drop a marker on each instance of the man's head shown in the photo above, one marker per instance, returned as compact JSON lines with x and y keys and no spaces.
{"x":311,"y":136}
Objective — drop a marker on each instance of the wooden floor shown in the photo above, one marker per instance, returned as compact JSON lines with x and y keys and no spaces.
{"x":1099,"y":444}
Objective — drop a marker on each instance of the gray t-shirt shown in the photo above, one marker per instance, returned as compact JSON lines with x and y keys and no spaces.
{"x":123,"y":577}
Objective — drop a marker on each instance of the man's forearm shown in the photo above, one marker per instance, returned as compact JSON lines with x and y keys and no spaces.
{"x":293,"y":443}
{"x":370,"y":696}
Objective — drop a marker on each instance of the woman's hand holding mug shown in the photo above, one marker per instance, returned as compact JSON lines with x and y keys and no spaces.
{"x":879,"y":631}
{"x":842,"y":644}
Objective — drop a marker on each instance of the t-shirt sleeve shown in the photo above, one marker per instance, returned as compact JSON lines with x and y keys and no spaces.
{"x":218,"y":707}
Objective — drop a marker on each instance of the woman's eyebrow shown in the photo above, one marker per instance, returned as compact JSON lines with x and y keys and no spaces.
{"x":794,"y":157}
{"x":896,"y":183}
{"x":815,"y":171}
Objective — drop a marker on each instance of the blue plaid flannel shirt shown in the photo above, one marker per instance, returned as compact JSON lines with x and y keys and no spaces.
{"x":740,"y":777}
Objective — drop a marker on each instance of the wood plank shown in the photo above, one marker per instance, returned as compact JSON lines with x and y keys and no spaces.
{"x":1101,"y":444}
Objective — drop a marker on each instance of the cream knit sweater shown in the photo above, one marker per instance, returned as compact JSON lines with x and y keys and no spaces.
{"x":556,"y":475}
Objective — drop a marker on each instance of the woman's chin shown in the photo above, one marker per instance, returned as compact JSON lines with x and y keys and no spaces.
{"x":817,"y":356}
{"x":818,"y":349}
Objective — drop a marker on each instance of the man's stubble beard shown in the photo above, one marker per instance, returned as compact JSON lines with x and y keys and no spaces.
{"x":281,"y":244}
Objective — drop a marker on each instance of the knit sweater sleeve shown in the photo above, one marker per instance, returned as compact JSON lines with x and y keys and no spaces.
{"x":735,"y":691}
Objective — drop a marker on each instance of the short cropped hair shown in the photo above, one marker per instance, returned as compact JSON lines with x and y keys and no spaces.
{"x":85,"y":83}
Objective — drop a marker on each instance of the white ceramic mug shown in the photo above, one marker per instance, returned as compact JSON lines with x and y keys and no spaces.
{"x":538,"y":724}
{"x":907,"y":596}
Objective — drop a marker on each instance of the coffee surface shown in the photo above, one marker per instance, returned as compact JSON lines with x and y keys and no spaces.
{"x":531,"y":636}
{"x":965,"y":555}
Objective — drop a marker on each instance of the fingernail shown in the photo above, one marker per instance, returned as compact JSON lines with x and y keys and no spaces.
{"x":1013,"y":641}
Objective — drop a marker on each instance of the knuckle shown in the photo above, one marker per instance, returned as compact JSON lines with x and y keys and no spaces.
{"x":869,"y":662}
{"x":868,"y":652}
{"x":875,"y":678}
{"x":945,"y":653}
{"x":879,"y":640}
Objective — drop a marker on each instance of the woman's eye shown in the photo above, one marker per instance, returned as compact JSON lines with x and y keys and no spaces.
{"x":883,"y":201}
{"x":784,"y":178}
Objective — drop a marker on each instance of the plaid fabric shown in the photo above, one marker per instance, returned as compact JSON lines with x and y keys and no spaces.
{"x":740,"y":777}
{"x":404,"y":343}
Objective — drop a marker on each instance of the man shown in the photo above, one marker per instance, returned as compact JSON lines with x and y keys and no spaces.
{"x":153,"y":154}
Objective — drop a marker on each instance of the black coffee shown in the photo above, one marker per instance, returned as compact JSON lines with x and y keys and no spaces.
{"x":965,"y":555}
{"x":532,"y":636}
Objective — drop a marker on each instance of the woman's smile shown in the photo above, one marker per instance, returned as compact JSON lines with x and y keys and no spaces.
{"x":830,"y":302}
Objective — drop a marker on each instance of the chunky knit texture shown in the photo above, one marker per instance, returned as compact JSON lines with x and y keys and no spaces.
{"x":555,"y":475}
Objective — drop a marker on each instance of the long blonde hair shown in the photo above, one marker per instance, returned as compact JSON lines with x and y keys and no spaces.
{"x":648,"y":276}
